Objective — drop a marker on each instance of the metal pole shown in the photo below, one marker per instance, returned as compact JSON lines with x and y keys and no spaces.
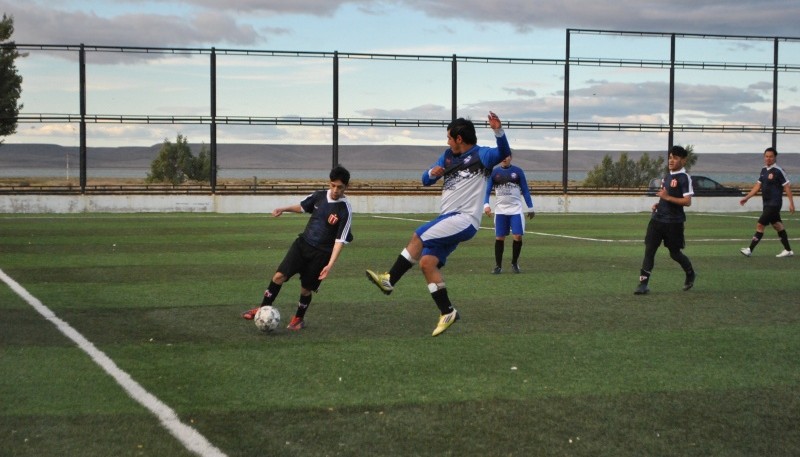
{"x":454,"y":89}
{"x":335,"y":152}
{"x":213,"y":126}
{"x":671,"y":137}
{"x":565,"y":145}
{"x":82,"y":97}
{"x":775,"y":97}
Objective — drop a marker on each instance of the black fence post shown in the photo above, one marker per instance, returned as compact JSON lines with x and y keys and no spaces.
{"x":82,"y":97}
{"x":335,"y":132}
{"x":565,"y":145}
{"x":213,"y":126}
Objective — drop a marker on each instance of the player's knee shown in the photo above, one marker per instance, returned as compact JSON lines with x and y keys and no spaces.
{"x":279,"y":278}
{"x":428,"y":263}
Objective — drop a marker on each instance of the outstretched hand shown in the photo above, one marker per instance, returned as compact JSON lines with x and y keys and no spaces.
{"x":494,"y":121}
{"x":531,"y":214}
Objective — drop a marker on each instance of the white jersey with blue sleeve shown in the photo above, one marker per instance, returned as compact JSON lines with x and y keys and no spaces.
{"x":466,"y":175}
{"x":510,"y":188}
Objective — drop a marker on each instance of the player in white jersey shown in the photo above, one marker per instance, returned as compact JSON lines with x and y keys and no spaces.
{"x":510,"y":188}
{"x":465,"y":167}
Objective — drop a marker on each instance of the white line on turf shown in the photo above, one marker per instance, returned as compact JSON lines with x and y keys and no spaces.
{"x":188,"y":436}
{"x":583,"y":238}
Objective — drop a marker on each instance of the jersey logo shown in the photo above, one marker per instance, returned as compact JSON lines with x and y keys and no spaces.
{"x":770,"y":176}
{"x":333,"y":219}
{"x":673,"y":183}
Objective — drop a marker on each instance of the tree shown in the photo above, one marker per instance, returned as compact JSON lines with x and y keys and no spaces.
{"x":10,"y":80}
{"x":691,"y":158}
{"x":625,"y":172}
{"x":175,"y":163}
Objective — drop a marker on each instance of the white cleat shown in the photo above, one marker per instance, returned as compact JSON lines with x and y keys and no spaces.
{"x":785,"y":253}
{"x":746,"y":252}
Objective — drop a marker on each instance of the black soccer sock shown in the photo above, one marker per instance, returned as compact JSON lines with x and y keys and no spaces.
{"x":784,"y":240}
{"x":271,"y":294}
{"x":499,"y":247}
{"x":516,"y":248}
{"x":644,"y":276}
{"x":400,"y":267}
{"x":442,"y":301}
{"x":756,"y":238}
{"x":302,"y":305}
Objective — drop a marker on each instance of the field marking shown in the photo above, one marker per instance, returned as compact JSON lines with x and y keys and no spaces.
{"x":188,"y":436}
{"x":601,"y":240}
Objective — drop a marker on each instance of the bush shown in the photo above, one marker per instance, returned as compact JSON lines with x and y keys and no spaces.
{"x":175,"y":163}
{"x":625,"y":172}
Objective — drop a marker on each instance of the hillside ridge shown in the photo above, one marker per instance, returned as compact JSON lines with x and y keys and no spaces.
{"x":355,"y":157}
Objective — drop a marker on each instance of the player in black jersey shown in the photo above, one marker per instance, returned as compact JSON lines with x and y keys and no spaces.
{"x":315,"y":251}
{"x":666,"y":222}
{"x":772,"y":181}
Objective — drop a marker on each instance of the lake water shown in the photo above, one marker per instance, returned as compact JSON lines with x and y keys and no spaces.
{"x":250,"y":173}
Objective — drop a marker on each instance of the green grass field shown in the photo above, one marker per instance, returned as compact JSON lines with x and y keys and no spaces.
{"x":560,"y":360}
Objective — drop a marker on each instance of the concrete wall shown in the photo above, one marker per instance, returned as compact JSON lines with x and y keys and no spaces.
{"x":361,"y":203}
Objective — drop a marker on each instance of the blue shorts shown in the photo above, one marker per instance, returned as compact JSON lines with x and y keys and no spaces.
{"x":508,"y":223}
{"x":441,"y":236}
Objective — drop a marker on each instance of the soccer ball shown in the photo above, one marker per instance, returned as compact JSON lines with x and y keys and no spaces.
{"x":267,"y":318}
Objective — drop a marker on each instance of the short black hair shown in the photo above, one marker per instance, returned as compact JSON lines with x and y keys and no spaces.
{"x":678,"y":151}
{"x":775,"y":151}
{"x":464,"y":128}
{"x":340,"y":173}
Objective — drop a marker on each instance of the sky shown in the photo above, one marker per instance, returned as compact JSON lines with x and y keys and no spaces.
{"x":157,"y":84}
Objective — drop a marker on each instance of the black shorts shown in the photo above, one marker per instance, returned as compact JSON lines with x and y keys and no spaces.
{"x":770,"y":215}
{"x":671,"y":233}
{"x":306,"y":260}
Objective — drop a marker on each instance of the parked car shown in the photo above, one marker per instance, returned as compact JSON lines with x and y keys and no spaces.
{"x":703,"y":187}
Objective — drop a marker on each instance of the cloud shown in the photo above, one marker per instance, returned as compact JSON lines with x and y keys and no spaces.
{"x":214,"y":21}
{"x":520,"y":91}
{"x":739,"y":17}
{"x":48,"y":25}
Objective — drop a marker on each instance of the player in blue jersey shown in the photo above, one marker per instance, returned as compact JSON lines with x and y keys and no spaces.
{"x":465,"y":167}
{"x":667,"y":219}
{"x":510,"y":188}
{"x":772,"y":182}
{"x":315,"y":251}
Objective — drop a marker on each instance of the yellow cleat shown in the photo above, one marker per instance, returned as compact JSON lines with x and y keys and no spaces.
{"x":445,"y":321}
{"x":380,"y":280}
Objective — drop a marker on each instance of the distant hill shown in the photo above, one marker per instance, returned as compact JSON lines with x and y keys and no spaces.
{"x":356,"y":158}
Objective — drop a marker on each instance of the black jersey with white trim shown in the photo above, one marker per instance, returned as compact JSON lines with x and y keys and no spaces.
{"x":772,"y":180}
{"x":678,"y":185}
{"x":329,"y":222}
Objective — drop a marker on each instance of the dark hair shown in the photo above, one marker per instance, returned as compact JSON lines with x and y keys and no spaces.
{"x":775,"y":151}
{"x":464,"y":128}
{"x":340,"y":173}
{"x":678,"y":151}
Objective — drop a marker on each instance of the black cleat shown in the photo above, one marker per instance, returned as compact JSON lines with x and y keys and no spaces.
{"x":497,"y":271}
{"x":642,"y":289}
{"x":689,"y":283}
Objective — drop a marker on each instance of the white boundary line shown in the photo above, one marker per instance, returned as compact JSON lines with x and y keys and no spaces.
{"x":188,"y":436}
{"x":599,"y":240}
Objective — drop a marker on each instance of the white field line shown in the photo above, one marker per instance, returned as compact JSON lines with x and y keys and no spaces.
{"x":188,"y":436}
{"x":602,"y":240}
